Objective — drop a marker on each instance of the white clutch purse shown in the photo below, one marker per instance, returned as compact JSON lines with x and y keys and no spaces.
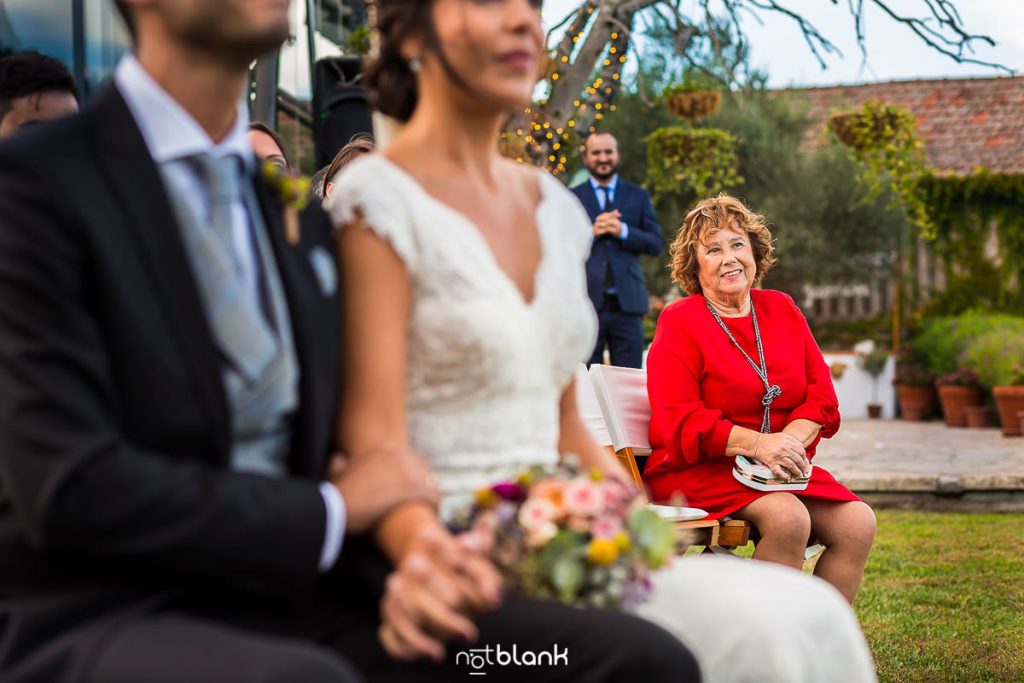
{"x":755,"y":475}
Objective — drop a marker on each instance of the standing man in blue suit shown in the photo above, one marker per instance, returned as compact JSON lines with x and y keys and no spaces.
{"x":624,"y":228}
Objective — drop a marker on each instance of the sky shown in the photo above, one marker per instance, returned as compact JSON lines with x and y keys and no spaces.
{"x":893,"y":51}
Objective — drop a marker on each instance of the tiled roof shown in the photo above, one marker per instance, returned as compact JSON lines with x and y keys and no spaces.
{"x":966,"y":123}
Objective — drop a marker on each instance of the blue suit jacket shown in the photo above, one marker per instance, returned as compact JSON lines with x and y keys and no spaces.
{"x":644,"y":237}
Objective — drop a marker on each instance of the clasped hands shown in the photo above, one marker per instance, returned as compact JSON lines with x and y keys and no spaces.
{"x":608,"y":223}
{"x":782,"y":453}
{"x":441,"y":581}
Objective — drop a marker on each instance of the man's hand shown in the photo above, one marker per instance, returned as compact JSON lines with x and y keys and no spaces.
{"x":608,"y":223}
{"x":439,"y":585}
{"x":378,"y":481}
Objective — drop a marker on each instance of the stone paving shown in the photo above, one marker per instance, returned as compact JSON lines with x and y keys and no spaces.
{"x":926,"y":464}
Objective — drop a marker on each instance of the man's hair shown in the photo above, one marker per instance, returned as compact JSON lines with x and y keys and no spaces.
{"x":31,"y":73}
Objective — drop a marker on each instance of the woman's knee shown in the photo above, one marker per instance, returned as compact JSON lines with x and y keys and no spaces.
{"x":785,"y":520}
{"x":850,"y":525}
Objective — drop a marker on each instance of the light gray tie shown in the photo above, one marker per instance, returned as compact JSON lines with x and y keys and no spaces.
{"x":242,"y":333}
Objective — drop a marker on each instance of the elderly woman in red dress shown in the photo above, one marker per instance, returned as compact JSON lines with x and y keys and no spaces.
{"x":735,"y":371}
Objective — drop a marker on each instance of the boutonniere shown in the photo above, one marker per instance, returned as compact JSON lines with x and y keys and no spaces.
{"x":293,"y":191}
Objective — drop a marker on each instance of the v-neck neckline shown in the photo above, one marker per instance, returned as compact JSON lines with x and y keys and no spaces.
{"x":472,"y":227}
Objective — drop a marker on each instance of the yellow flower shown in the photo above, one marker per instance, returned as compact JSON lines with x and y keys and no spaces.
{"x":486,"y":498}
{"x":602,"y":551}
{"x":596,"y":474}
{"x":622,"y":541}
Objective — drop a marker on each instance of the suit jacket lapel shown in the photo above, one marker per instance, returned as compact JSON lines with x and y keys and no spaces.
{"x":299,"y":284}
{"x":589,"y":198}
{"x":139,"y":188}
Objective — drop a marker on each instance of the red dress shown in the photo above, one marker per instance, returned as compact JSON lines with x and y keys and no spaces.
{"x":700,"y":386}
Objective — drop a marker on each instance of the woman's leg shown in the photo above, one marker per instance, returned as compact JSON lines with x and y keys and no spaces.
{"x":784,"y":524}
{"x":847,"y":530}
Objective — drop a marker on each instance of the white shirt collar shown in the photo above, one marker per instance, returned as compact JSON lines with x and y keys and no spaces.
{"x":612,"y":184}
{"x":170,"y":132}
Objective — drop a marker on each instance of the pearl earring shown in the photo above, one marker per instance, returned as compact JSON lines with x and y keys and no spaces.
{"x":414,"y":64}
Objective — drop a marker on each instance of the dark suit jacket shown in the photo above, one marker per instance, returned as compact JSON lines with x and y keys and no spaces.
{"x":114,"y":427}
{"x":644,"y":237}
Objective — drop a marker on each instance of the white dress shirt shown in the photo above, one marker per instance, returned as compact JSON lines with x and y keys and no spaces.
{"x":172,"y":135}
{"x":612,"y":184}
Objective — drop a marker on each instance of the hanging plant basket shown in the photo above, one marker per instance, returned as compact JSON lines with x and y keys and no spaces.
{"x":693,"y":105}
{"x":867,"y":128}
{"x":701,"y":159}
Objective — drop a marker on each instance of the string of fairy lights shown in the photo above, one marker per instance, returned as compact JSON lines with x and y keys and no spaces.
{"x":539,"y":136}
{"x":535,"y":138}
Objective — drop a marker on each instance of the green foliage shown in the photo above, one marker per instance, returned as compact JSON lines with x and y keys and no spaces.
{"x":997,"y":356}
{"x":972,"y":214}
{"x":883,"y":140}
{"x":693,"y":81}
{"x":657,"y":540}
{"x":942,"y":341}
{"x":874,"y":362}
{"x":359,"y":40}
{"x":703,"y":159}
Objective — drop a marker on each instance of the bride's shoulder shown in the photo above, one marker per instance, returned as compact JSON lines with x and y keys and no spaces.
{"x":370,"y":185}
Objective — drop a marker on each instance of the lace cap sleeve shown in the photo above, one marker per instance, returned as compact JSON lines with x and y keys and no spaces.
{"x":368,"y":189}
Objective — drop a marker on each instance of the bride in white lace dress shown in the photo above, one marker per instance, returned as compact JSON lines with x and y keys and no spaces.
{"x":466,"y":315}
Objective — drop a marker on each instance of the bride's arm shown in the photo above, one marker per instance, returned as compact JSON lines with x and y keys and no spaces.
{"x":575,"y":438}
{"x":372,"y":409}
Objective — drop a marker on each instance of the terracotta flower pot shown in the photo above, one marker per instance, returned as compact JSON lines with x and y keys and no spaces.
{"x":874,"y":410}
{"x":916,"y":403}
{"x":953,"y":399}
{"x":1009,"y":400}
{"x":976,"y":416}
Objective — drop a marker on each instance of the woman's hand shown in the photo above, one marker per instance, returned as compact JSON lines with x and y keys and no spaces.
{"x":783,"y":454}
{"x":441,"y":583}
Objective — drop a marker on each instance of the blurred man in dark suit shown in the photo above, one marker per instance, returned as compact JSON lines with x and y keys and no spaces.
{"x":624,"y":228}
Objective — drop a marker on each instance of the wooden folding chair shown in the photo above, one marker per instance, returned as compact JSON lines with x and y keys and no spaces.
{"x":621,"y":395}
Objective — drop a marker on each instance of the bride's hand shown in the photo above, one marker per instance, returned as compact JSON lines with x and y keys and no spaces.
{"x":439,"y":584}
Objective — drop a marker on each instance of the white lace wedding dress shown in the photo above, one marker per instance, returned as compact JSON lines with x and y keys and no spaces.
{"x":485,"y":372}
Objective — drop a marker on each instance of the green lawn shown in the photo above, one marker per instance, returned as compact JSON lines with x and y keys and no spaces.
{"x":943,"y":597}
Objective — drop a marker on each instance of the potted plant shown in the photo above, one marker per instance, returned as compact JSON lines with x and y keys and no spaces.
{"x":998,"y":358}
{"x":956,"y":390}
{"x":872,"y":360}
{"x":915,"y":387}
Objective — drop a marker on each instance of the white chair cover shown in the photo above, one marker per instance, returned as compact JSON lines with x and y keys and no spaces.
{"x":589,"y":408}
{"x":622,"y":395}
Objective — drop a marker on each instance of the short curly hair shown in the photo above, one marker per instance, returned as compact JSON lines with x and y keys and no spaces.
{"x":707,"y":218}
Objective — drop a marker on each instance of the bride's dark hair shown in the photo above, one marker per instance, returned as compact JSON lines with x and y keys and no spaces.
{"x":390,"y":82}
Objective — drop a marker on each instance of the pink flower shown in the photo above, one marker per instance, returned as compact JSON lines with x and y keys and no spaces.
{"x":541,"y":534}
{"x":535,"y":513}
{"x":606,"y":527}
{"x":583,"y":497}
{"x":552,"y":490}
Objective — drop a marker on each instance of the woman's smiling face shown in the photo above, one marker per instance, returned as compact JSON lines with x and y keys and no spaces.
{"x":727,"y":266}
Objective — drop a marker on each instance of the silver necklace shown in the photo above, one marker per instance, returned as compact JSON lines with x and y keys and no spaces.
{"x":772,"y":391}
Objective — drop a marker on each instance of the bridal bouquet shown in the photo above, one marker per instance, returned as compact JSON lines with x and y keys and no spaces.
{"x":576,"y":537}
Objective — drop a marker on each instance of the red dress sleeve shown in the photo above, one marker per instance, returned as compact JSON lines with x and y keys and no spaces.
{"x":820,"y":404}
{"x":690,"y":431}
